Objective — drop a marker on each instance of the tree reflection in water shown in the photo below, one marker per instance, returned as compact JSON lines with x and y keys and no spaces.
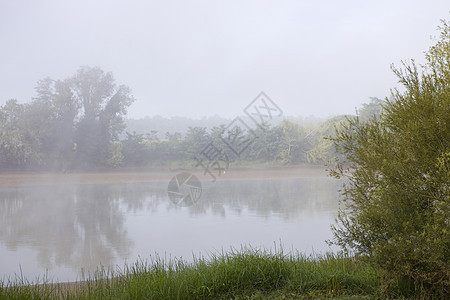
{"x":82,"y":226}
{"x":70,"y":226}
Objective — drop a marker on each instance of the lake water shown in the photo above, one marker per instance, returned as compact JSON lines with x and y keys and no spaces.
{"x":64,"y":229}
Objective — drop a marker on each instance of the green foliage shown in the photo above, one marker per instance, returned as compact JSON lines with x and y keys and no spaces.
{"x":102,"y":107}
{"x":323,"y":149}
{"x":195,"y":141}
{"x":15,"y":150}
{"x":116,"y":157}
{"x":295,"y":142}
{"x":397,"y":200}
{"x":70,"y":123}
{"x":244,"y":274}
{"x":76,"y":123}
{"x":370,"y":110}
{"x":266,"y":147}
{"x":134,"y":149}
{"x":290,"y":143}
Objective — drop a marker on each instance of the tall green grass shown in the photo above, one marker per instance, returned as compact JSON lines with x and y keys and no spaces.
{"x":244,"y":274}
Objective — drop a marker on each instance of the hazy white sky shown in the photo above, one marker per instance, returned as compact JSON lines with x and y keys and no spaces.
{"x":201,"y":58}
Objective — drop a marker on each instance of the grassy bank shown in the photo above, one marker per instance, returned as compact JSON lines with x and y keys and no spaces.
{"x":245,"y":274}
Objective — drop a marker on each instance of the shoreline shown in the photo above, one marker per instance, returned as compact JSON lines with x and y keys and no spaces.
{"x":33,"y":178}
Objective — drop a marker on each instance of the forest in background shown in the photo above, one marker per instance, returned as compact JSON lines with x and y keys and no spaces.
{"x":80,"y":123}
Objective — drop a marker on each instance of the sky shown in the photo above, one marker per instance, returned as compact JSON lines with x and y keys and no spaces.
{"x":204,"y":58}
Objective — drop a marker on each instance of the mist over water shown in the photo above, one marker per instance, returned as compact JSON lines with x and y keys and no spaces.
{"x":68,"y":229}
{"x":138,"y":137}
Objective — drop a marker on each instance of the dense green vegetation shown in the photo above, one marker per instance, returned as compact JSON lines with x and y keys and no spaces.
{"x":78,"y":123}
{"x":70,"y":122}
{"x":397,"y":200}
{"x":238,"y":275}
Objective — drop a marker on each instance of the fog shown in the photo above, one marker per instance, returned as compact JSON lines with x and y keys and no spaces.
{"x":73,"y":227}
{"x":205,"y":58}
{"x":133,"y":128}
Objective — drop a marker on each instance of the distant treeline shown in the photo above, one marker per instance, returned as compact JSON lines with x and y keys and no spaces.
{"x":162,"y":125}
{"x":288,"y":143}
{"x":78,"y":123}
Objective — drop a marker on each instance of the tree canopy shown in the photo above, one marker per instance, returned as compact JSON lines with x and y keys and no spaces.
{"x":71,"y":122}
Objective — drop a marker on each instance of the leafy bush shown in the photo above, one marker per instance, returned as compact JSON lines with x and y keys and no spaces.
{"x":396,"y":202}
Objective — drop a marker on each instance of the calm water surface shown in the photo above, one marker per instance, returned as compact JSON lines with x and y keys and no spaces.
{"x":68,"y":230}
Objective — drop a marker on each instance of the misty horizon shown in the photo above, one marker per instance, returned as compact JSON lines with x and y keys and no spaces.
{"x":205,"y":58}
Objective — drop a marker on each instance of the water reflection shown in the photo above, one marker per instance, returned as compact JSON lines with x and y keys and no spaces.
{"x":81,"y":226}
{"x":284,"y":197}
{"x":67,"y":225}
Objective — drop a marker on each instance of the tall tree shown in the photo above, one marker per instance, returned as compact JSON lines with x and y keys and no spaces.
{"x":15,"y":149}
{"x":73,"y":122}
{"x":103,"y":105}
{"x":295,"y":141}
{"x":53,"y":114}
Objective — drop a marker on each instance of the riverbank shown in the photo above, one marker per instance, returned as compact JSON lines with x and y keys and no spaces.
{"x":244,"y":274}
{"x":142,"y":175}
